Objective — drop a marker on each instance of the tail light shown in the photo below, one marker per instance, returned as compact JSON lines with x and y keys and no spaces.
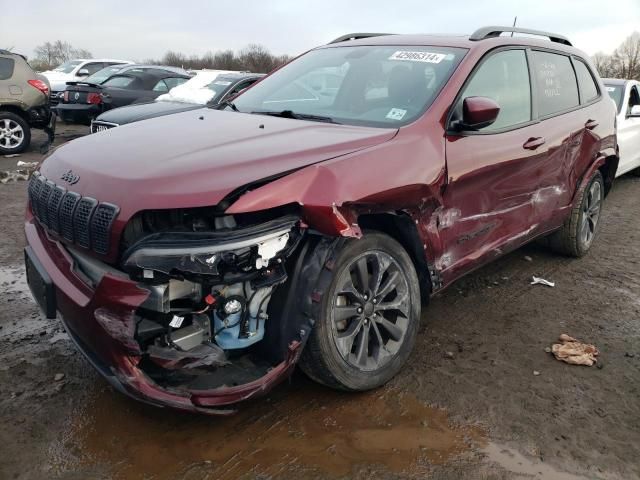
{"x":40,"y":85}
{"x":94,"y":98}
{"x":65,"y":97}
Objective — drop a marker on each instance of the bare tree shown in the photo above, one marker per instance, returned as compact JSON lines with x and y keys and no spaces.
{"x":254,"y":58}
{"x":627,"y":57}
{"x":45,"y":54}
{"x":49,"y":55}
{"x":226,"y":60}
{"x":604,"y":65}
{"x":623,"y":63}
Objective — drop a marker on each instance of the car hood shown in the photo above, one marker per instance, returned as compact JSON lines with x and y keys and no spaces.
{"x":144,"y":111}
{"x":196,"y":158}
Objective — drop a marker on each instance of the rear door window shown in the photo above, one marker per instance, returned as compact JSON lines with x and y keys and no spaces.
{"x":557,"y":87}
{"x":6,"y":68}
{"x":588,"y":87}
{"x":504,"y":78}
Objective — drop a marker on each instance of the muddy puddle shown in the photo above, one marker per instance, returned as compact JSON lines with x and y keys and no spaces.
{"x":304,"y":429}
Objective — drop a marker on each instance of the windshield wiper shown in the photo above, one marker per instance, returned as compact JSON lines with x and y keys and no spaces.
{"x":297,"y":116}
{"x":229,"y":104}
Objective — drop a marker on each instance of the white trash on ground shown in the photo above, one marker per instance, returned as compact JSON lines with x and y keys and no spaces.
{"x":542,"y":281}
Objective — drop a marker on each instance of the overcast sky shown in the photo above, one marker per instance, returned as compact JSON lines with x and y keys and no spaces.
{"x":139,"y":30}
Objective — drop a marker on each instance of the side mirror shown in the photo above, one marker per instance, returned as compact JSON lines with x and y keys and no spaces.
{"x":83,"y":72}
{"x":478,"y":112}
{"x":635,"y":111}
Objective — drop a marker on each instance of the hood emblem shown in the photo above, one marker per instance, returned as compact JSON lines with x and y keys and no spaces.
{"x":70,"y":177}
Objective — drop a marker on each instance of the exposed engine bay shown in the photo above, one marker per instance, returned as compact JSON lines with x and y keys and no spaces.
{"x":210,"y":292}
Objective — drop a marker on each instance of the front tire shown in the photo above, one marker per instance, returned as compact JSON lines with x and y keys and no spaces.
{"x":15,"y":134}
{"x":367,"y":317}
{"x":579,"y":230}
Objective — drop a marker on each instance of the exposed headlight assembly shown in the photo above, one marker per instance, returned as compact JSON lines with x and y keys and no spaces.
{"x":212,"y":253}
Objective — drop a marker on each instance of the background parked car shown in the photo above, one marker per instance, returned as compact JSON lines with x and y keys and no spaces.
{"x":83,"y":101}
{"x":188,"y":96}
{"x":24,"y":103}
{"x":626,"y":94}
{"x":76,"y":70}
{"x":100,"y":76}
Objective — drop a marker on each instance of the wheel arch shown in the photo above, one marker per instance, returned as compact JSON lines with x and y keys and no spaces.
{"x":16,"y":110}
{"x":608,"y":170}
{"x":402,"y":228}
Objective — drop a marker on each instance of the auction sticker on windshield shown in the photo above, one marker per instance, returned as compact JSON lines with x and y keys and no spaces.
{"x":396,"y":114}
{"x":418,"y":56}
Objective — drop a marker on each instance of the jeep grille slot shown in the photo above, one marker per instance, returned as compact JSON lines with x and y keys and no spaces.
{"x":82,"y":220}
{"x":69,"y":202}
{"x":101,"y":226}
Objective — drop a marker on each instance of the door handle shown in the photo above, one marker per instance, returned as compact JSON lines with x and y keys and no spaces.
{"x":533,"y":143}
{"x":591,"y":124}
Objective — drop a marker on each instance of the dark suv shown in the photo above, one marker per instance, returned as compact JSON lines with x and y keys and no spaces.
{"x":191,"y":257}
{"x":24,"y":103}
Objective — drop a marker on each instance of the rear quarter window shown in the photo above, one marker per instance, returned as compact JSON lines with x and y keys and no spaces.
{"x":586,"y":83}
{"x":6,"y":68}
{"x":555,"y":81}
{"x":120,"y":82}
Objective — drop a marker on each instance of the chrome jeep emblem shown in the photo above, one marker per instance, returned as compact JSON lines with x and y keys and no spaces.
{"x":70,"y":177}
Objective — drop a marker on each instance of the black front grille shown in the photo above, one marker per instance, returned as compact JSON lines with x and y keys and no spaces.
{"x":81,"y":220}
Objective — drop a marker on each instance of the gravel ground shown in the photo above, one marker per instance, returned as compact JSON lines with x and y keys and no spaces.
{"x":468,"y":404}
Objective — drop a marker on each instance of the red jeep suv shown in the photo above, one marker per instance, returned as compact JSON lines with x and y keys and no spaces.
{"x":192,"y":257}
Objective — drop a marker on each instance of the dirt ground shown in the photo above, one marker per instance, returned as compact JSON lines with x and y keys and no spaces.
{"x":467,"y":405}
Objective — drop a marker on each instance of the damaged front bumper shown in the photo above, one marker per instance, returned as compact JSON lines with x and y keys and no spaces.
{"x":102,"y":316}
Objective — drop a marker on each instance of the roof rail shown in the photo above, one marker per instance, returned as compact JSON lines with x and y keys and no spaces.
{"x":491,"y":32}
{"x":9,"y":52}
{"x":357,"y":36}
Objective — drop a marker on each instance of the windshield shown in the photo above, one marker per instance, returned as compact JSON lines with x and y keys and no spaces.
{"x":616,"y":92}
{"x":101,"y":75}
{"x":67,"y":67}
{"x":382,"y":86}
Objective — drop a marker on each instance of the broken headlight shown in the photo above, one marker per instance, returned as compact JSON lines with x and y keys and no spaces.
{"x":212,"y":253}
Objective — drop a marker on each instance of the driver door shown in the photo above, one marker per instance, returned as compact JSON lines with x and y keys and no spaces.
{"x":497,"y":175}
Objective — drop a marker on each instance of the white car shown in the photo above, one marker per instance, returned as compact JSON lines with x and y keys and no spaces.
{"x":75,"y":70}
{"x":626,"y":95}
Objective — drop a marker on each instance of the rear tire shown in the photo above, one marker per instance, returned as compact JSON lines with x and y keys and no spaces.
{"x":15,"y":134}
{"x":367,"y":316}
{"x":581,"y":227}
